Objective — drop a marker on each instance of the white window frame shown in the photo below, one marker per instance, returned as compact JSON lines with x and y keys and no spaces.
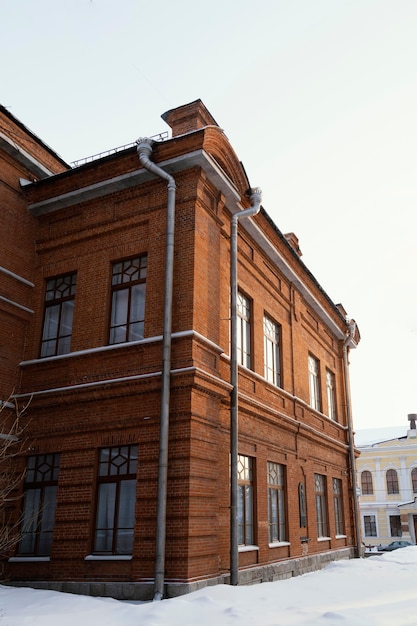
{"x":314,"y":382}
{"x":277,"y":527}
{"x":374,"y":524}
{"x":246,"y":514}
{"x":272,"y":365}
{"x":320,"y":488}
{"x":331,"y":395}
{"x":243,"y":330}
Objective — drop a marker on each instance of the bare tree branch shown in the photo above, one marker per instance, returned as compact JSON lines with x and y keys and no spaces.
{"x":13,"y":442}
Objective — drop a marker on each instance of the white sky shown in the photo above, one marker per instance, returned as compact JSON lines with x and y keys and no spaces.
{"x":319,"y":100}
{"x":376,"y":591}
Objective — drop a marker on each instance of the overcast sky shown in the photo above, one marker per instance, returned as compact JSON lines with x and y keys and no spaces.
{"x":319,"y":100}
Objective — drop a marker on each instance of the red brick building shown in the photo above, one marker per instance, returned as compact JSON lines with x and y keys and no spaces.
{"x":110,"y":351}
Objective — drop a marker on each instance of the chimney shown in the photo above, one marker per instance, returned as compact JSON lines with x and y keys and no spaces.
{"x":293,"y":241}
{"x":188,"y":118}
{"x":412,"y":433}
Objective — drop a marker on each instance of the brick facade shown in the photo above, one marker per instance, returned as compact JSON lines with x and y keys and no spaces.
{"x":99,"y":395}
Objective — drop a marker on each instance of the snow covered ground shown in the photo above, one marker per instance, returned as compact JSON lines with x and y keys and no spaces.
{"x":376,"y":591}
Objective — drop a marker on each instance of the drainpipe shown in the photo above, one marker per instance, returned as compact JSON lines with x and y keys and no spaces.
{"x":144,"y":151}
{"x":255,"y":198}
{"x":352,"y":328}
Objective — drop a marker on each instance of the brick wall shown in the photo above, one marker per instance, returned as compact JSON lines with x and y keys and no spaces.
{"x":99,"y":396}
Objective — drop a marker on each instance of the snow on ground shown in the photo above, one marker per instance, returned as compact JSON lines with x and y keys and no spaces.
{"x":375,"y":591}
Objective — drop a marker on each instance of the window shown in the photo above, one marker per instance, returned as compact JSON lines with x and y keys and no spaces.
{"x":59,"y":309}
{"x":367,"y":487}
{"x":128,"y":300}
{"x":331,"y":395}
{"x":116,"y":500}
{"x":395,"y":526}
{"x":302,"y":506}
{"x":271,"y":351}
{"x":41,"y":483}
{"x":414,"y":479}
{"x":243,"y":330}
{"x":392,"y":482}
{"x":338,"y":506}
{"x":369,"y":525}
{"x":245,"y":501}
{"x":321,"y":505}
{"x":314,"y":382}
{"x":276,"y":503}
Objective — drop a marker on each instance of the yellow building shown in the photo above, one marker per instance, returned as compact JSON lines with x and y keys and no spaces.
{"x":387,"y":485}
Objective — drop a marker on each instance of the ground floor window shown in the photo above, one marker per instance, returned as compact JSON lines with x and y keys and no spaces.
{"x":116,"y":499}
{"x":41,"y":484}
{"x":276,"y":502}
{"x":395,"y":525}
{"x":245,"y":500}
{"x":321,"y":505}
{"x":338,"y":506}
{"x":369,"y":524}
{"x":302,"y":505}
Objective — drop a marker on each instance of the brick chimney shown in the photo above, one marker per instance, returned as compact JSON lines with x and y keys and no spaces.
{"x":293,"y":241}
{"x":188,"y":117}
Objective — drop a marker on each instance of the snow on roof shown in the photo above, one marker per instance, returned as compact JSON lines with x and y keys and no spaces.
{"x":368,"y":436}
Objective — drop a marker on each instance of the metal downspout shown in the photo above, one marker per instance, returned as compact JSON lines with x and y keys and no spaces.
{"x":256,"y":198}
{"x":352,"y":328}
{"x":144,"y":151}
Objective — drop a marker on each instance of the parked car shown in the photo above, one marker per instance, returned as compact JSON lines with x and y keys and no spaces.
{"x":394,"y":545}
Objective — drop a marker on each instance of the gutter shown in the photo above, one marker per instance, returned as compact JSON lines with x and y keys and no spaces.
{"x":349,"y":339}
{"x":256,"y":197}
{"x":144,"y":149}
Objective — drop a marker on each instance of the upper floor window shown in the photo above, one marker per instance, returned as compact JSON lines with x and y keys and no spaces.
{"x":245,"y":500}
{"x":243,"y":330}
{"x":331,"y":395}
{"x":314,"y":382}
{"x":41,"y":484}
{"x":414,"y":479}
{"x":338,"y":506}
{"x":392,"y":481}
{"x":321,"y":505}
{"x":271,"y":351}
{"x":276,"y":502}
{"x":116,"y":498}
{"x":128,"y":300}
{"x":367,"y":488}
{"x":59,"y":309}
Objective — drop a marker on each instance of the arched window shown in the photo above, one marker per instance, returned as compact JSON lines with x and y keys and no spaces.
{"x":367,"y":488}
{"x":414,"y":479}
{"x":392,"y":481}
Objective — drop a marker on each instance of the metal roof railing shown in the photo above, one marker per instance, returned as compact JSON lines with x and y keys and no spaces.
{"x":94,"y":157}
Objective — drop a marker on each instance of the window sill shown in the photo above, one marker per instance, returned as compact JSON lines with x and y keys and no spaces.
{"x":340,"y":536}
{"x":324,"y":538}
{"x":108,"y":557}
{"x":29,"y":559}
{"x":248,"y":548}
{"x":278,"y":544}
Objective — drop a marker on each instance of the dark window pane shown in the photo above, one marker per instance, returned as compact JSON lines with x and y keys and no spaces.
{"x":58,"y":316}
{"x":105,"y":517}
{"x":39,"y":505}
{"x":128,"y":300}
{"x":116,"y":500}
